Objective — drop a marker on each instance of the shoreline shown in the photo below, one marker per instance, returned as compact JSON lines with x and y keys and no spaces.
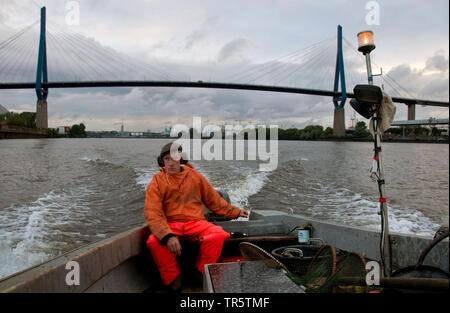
{"x":40,"y":135}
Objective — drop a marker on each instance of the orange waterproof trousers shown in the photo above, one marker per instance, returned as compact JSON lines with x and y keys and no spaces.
{"x":210,"y":237}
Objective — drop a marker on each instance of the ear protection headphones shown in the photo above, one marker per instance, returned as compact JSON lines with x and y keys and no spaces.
{"x":161,"y":162}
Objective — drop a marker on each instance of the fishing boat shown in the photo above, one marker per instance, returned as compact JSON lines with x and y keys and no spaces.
{"x":122,"y":263}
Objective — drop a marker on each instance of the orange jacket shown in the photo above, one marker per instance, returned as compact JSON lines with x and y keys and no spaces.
{"x":180,"y":198}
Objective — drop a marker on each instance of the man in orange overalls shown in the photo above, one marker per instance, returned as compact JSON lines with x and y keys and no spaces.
{"x":173,"y":208}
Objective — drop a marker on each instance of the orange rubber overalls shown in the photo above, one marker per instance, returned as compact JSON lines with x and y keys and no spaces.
{"x":174,"y":206}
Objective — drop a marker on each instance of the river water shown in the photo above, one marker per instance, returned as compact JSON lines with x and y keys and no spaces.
{"x":57,"y":194}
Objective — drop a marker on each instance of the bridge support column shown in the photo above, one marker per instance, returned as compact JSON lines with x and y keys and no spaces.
{"x":411,"y":112}
{"x":41,"y":114}
{"x":339,"y":102}
{"x":339,"y":122}
{"x":42,"y":77}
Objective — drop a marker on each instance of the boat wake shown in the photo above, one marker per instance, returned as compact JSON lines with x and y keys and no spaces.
{"x":291,"y":186}
{"x":33,"y":232}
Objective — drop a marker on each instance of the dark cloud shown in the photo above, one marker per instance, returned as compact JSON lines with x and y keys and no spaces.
{"x":404,"y":81}
{"x":197,"y":36}
{"x":194,"y":38}
{"x":400,"y":71}
{"x":437,"y":62}
{"x":233,"y":49}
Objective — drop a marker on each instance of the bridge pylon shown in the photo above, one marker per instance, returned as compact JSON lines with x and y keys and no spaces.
{"x":42,"y":77}
{"x":339,"y":102}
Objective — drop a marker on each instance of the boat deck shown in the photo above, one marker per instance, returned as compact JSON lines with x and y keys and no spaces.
{"x":122,"y":263}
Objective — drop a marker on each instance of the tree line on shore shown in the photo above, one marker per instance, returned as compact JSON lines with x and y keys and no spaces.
{"x":310,"y":132}
{"x":28,"y":120}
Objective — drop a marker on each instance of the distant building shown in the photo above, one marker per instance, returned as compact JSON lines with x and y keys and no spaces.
{"x":62,"y":130}
{"x":121,"y":128}
{"x":3,"y":110}
{"x":166,"y":131}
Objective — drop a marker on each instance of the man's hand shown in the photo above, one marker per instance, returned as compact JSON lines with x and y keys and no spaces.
{"x":174,"y":245}
{"x":243,"y":213}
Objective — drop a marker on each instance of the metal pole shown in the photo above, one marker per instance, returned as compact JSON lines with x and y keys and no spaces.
{"x":385,"y":243}
{"x":369,"y":69}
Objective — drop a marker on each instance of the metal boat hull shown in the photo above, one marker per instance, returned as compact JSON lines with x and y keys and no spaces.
{"x":122,"y":263}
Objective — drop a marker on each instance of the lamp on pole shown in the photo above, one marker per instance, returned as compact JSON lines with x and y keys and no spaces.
{"x":366,"y":45}
{"x":368,"y":103}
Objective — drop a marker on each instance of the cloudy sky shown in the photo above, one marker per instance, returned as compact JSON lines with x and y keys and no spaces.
{"x":221,"y":41}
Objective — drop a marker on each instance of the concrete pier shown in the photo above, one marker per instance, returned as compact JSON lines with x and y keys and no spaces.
{"x":41,"y":114}
{"x":411,"y":112}
{"x":339,"y":122}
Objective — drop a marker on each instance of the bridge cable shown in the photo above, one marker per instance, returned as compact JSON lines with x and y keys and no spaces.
{"x":116,"y":59}
{"x":71,"y":60}
{"x":13,"y":60}
{"x":76,"y":37}
{"x":24,"y":64}
{"x":308,"y":64}
{"x":83,"y":56}
{"x":270,"y":64}
{"x":9,"y":48}
{"x":87,"y":59}
{"x":318,"y":58}
{"x":303,"y":65}
{"x":60,"y":61}
{"x":288,"y":64}
{"x":318,"y":48}
{"x":17,"y":35}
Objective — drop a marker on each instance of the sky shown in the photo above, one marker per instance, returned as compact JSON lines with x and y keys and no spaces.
{"x":217,"y":40}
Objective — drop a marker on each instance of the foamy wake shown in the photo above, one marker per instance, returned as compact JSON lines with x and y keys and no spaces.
{"x":94,"y":159}
{"x":343,"y":206}
{"x":144,"y":176}
{"x":241,"y":190}
{"x":28,"y":234}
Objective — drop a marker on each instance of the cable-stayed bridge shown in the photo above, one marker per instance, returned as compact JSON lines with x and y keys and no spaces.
{"x":41,"y":56}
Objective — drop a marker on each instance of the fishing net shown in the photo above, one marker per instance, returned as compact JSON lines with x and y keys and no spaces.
{"x":349,"y":276}
{"x":326,"y":273}
{"x":330,"y":274}
{"x":252,"y":252}
{"x":322,"y":266}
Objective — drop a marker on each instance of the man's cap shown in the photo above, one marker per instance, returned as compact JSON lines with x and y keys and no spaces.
{"x":166,"y":148}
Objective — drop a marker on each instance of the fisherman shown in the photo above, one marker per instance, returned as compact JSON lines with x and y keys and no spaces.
{"x":173,"y":209}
